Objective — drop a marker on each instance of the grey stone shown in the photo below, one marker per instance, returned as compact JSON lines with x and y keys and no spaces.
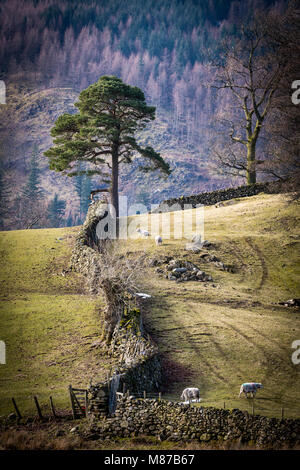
{"x":75,"y":429}
{"x":192,"y":247}
{"x":200,"y":274}
{"x":205,"y":437}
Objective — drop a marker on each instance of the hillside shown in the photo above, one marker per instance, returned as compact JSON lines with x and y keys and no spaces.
{"x":214,"y":335}
{"x":49,"y":323}
{"x":31,"y":114}
{"x":217,"y":335}
{"x":51,"y":51}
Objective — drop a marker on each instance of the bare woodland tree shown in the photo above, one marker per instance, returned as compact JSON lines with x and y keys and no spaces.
{"x":27,"y":213}
{"x":284,"y":126}
{"x":251,"y":73}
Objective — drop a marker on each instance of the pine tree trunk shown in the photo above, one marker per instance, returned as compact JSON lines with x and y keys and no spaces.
{"x":114,"y":189}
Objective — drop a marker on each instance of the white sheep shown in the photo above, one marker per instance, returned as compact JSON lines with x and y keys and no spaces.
{"x":190,"y":393}
{"x":158,"y":240}
{"x":145,"y":233}
{"x":250,"y":387}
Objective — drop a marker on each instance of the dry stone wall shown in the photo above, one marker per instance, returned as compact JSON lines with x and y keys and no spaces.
{"x":180,"y":422}
{"x":85,"y":258}
{"x":214,"y":197}
{"x":138,"y":363}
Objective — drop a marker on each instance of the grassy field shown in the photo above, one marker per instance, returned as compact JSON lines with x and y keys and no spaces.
{"x":48,"y":322}
{"x":214,"y":335}
{"x":217,"y":335}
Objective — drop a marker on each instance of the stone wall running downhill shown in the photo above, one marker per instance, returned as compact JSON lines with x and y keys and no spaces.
{"x":85,"y":257}
{"x":138,"y":363}
{"x":214,"y":197}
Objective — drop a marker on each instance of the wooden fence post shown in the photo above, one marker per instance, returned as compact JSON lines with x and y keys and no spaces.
{"x":16,"y":408}
{"x":38,"y":407}
{"x":159,"y":396}
{"x":52,"y":408}
{"x":145,"y":395}
{"x":86,"y":403}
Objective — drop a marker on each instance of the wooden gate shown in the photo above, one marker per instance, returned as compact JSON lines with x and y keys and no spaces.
{"x":79,"y":402}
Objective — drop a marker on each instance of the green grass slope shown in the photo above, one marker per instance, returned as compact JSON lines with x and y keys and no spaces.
{"x":213,"y":335}
{"x":48,"y":322}
{"x":217,"y":335}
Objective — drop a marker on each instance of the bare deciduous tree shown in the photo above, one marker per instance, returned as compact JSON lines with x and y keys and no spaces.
{"x":26,"y":213}
{"x":284,"y":126}
{"x":251,"y":72}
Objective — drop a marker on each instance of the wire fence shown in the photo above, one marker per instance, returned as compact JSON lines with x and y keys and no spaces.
{"x":254,"y":406}
{"x":79,"y":405}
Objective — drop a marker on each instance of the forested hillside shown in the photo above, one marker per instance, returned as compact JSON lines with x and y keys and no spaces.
{"x":50,"y":50}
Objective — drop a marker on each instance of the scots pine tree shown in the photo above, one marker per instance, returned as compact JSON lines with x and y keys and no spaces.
{"x":102,"y":134}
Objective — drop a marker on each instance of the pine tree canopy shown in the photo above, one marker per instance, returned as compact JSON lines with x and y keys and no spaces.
{"x":102,"y":134}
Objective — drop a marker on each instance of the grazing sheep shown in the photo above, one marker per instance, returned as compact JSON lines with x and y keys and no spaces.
{"x":190,"y":393}
{"x":158,"y":240}
{"x":143,"y":232}
{"x":251,"y":387}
